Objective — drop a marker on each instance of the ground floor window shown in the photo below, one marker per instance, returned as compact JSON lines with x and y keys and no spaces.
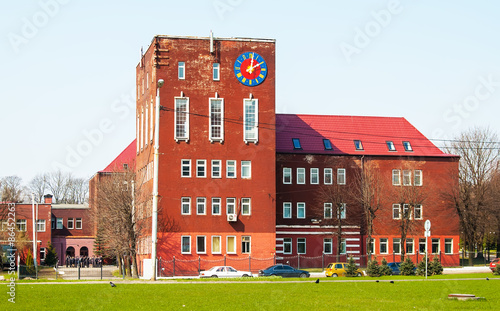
{"x":371,"y":245}
{"x":396,"y":245}
{"x":42,"y":253}
{"x":186,"y":245}
{"x":435,"y":246}
{"x":327,"y":246}
{"x":287,"y":245}
{"x":448,"y":246}
{"x":231,"y":245}
{"x":245,"y":244}
{"x":383,"y":246}
{"x":301,"y":245}
{"x":216,"y":245}
{"x":343,"y":246}
{"x":200,"y":244}
{"x":421,"y":245}
{"x":409,"y":246}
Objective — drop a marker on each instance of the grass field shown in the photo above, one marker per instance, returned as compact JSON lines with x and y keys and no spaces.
{"x":341,"y":293}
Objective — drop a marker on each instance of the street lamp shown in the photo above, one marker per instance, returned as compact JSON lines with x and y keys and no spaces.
{"x":154,"y":233}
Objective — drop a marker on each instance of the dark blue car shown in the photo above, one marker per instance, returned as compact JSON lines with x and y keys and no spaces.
{"x":395,"y":268}
{"x":284,"y":271}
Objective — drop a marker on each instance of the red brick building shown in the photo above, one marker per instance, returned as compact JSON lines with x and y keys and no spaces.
{"x":217,"y":149}
{"x":319,"y":211}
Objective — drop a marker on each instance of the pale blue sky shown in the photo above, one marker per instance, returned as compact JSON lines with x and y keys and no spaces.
{"x":68,"y":67}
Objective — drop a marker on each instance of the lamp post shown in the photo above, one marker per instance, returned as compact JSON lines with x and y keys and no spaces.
{"x":154,"y":216}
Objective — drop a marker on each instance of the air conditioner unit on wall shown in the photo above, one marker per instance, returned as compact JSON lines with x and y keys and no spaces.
{"x":232,"y":217}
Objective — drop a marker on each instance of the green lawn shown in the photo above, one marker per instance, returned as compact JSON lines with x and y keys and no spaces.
{"x":304,"y":295}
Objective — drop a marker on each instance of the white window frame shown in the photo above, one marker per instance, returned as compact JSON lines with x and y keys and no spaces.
{"x":201,"y":202}
{"x":246,"y":206}
{"x":409,"y":242}
{"x":40,"y":225}
{"x":231,"y":168}
{"x":327,"y":241}
{"x":186,"y":163}
{"x":215,"y":173}
{"x":372,"y":246}
{"x":198,"y":251}
{"x":301,"y":174}
{"x":438,"y":245}
{"x":186,"y":202}
{"x":215,"y":203}
{"x":146,"y":126}
{"x":343,"y":211}
{"x":418,"y":178}
{"x":448,"y":242}
{"x":216,"y":71}
{"x":230,"y":204}
{"x":421,"y":244}
{"x":215,"y":237}
{"x":250,"y":129}
{"x":43,"y":253}
{"x":396,"y":207}
{"x":246,"y":240}
{"x":201,"y":164}
{"x":287,"y":206}
{"x":188,"y":239}
{"x":314,"y":178}
{"x":287,"y":175}
{"x":406,"y":177}
{"x":233,"y":237}
{"x":181,"y":70}
{"x":396,"y":242}
{"x":328,"y":207}
{"x":287,"y":242}
{"x":384,"y":242}
{"x":341,"y":176}
{"x":177,"y":135}
{"x":301,"y":241}
{"x":59,"y":220}
{"x":328,"y":173}
{"x":301,"y":206}
{"x":71,"y":223}
{"x":396,"y":177}
{"x":151,"y":112}
{"x":246,"y":165}
{"x":78,"y":223}
{"x":211,"y":126}
{"x":407,"y":209}
{"x":343,"y":246}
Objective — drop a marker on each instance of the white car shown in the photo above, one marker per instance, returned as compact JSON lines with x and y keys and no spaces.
{"x":224,"y":272}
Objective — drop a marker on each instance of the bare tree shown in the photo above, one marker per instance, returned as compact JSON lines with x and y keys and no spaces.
{"x":12,"y":189}
{"x":478,"y":151}
{"x":38,"y":186}
{"x":77,"y":191}
{"x":57,"y":183}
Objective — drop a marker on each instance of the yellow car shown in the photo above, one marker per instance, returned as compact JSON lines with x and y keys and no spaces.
{"x":339,"y":269}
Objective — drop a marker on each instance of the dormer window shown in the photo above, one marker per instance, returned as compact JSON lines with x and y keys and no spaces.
{"x":125,"y":166}
{"x":358,"y":145}
{"x":390,"y":146}
{"x":407,"y":146}
{"x":328,"y":144}
{"x":296,"y":143}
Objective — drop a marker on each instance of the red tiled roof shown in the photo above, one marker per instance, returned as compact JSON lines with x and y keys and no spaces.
{"x":126,"y":157}
{"x":373,"y":132}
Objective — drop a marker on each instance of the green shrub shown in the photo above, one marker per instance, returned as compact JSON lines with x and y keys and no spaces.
{"x":497,"y":270}
{"x":421,"y":268}
{"x":373,"y":269}
{"x":384,"y":268}
{"x":407,"y":267}
{"x":350,"y":269}
{"x":435,"y":267}
{"x":51,"y":257}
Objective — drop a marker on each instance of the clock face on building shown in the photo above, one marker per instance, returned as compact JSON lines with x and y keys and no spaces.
{"x":250,"y":69}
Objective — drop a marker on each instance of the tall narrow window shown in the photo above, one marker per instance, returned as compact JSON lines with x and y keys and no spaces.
{"x":417,"y":178}
{"x":246,"y":169}
{"x":182,"y":70}
{"x":251,"y":120}
{"x":342,"y":211}
{"x":383,"y":246}
{"x":201,"y":206}
{"x":341,"y":176}
{"x":216,"y":245}
{"x":146,"y":126}
{"x":328,"y":210}
{"x":231,"y":169}
{"x":216,"y":169}
{"x":418,"y":211}
{"x":151,"y":112}
{"x":396,"y":177}
{"x":406,"y":211}
{"x":185,"y":168}
{"x":435,"y":246}
{"x":301,"y":210}
{"x":71,"y":223}
{"x":142,"y":128}
{"x":216,"y":202}
{"x":287,"y":210}
{"x":396,"y":245}
{"x":78,"y":223}
{"x":421,"y":245}
{"x":201,"y":168}
{"x":314,"y":176}
{"x":371,"y":245}
{"x":328,"y":178}
{"x":301,"y":245}
{"x":409,"y":246}
{"x":186,"y":206}
{"x":301,"y":175}
{"x":327,"y":246}
{"x":185,"y":244}
{"x":245,"y":244}
{"x":231,"y":206}
{"x":246,"y":206}
{"x":396,"y":213}
{"x":201,"y":244}
{"x":216,"y":119}
{"x":231,"y":244}
{"x":59,"y":224}
{"x":216,"y":72}
{"x":448,"y":246}
{"x":287,"y":245}
{"x":406,"y":178}
{"x":287,"y":175}
{"x":181,"y":118}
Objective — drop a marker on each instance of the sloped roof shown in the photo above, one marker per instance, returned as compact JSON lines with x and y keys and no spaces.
{"x":373,"y":132}
{"x":126,"y":157}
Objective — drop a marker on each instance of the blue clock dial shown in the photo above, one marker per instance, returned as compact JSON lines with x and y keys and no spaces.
{"x":250,"y":69}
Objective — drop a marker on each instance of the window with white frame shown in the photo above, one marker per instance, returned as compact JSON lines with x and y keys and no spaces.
{"x":246,"y":169}
{"x":59,"y":223}
{"x":216,"y":119}
{"x":409,"y":246}
{"x":231,"y":244}
{"x":287,"y":175}
{"x":186,"y":206}
{"x":396,"y":177}
{"x":216,"y":244}
{"x":201,"y":168}
{"x":383,"y":246}
{"x":396,"y":245}
{"x":201,"y":244}
{"x":343,"y":246}
{"x":314,"y":176}
{"x":142,"y":128}
{"x":328,"y":211}
{"x":231,"y":169}
{"x":186,"y":244}
{"x":406,"y":178}
{"x":201,"y":206}
{"x":328,"y":176}
{"x":231,"y":206}
{"x":435,"y":246}
{"x":327,"y":246}
{"x":146,"y":126}
{"x":181,"y":121}
{"x":251,"y":120}
{"x":342,"y":211}
{"x":151,"y":121}
{"x":301,"y":210}
{"x":246,"y":206}
{"x":185,"y":168}
{"x":396,"y":212}
{"x":406,"y":211}
{"x":138,"y":134}
{"x":448,"y":246}
{"x":216,"y":203}
{"x":246,"y":244}
{"x":40,"y":225}
{"x":216,"y":169}
{"x":301,"y":175}
{"x":407,"y":146}
{"x":287,"y":245}
{"x":181,"y":70}
{"x":421,"y":245}
{"x":301,"y":245}
{"x":78,"y":223}
{"x":42,"y":253}
{"x":418,"y":211}
{"x":341,"y":176}
{"x":216,"y":72}
{"x":371,"y":245}
{"x":417,"y":178}
{"x":287,"y":210}
{"x":71,"y":223}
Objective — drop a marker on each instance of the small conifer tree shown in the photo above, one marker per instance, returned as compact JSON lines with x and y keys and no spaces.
{"x":407,"y":267}
{"x":351,"y":267}
{"x":373,"y":269}
{"x":435,"y":267}
{"x":51,"y":256}
{"x":384,"y":268}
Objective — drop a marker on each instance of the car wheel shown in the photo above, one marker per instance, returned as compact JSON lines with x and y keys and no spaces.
{"x":302,"y":275}
{"x":214,"y":276}
{"x":245,"y":276}
{"x":334,"y":275}
{"x":359,"y":274}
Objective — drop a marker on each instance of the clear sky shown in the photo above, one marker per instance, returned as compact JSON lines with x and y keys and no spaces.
{"x":68,"y":67}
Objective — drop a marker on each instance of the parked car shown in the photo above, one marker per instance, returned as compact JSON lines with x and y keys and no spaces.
{"x":494,"y":263}
{"x":395,"y":266}
{"x":336,"y":269}
{"x":283,"y":271}
{"x":224,"y":272}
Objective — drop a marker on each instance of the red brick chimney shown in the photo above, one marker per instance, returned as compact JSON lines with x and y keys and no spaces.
{"x":48,"y":198}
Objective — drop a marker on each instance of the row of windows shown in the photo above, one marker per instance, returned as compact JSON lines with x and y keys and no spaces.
{"x":329,"y":211}
{"x":72,"y":223}
{"x":216,"y":206}
{"x":407,"y":178}
{"x":215,"y":246}
{"x":216,"y":169}
{"x":314,"y":176}
{"x":21,"y":225}
{"x":358,"y":145}
{"x":406,"y":211}
{"x":410,"y":246}
{"x":181,"y":71}
{"x":301,"y":246}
